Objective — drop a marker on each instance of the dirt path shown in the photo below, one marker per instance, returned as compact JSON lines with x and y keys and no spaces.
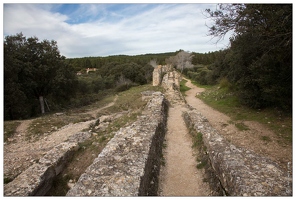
{"x":249,"y":139}
{"x":93,"y":113}
{"x":21,"y":154}
{"x":180,"y":177}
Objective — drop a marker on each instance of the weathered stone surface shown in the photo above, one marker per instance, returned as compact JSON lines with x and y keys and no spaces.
{"x":37,"y":179}
{"x":158,"y":73}
{"x":105,"y":118}
{"x":171,"y":81}
{"x":240,"y":171}
{"x":130,"y":162}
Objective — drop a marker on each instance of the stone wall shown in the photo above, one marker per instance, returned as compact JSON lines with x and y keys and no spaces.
{"x":241,"y":172}
{"x":37,"y":179}
{"x":158,"y":73}
{"x":129,"y":164}
{"x":171,"y":81}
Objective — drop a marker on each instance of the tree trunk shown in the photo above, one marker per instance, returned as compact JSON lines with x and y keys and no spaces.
{"x":41,"y":100}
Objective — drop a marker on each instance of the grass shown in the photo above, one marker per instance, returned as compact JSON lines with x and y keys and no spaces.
{"x":130,"y":100}
{"x":183,"y":87}
{"x":10,"y":129}
{"x":200,"y":85}
{"x":266,"y":138}
{"x":225,"y":101}
{"x":50,"y":123}
{"x":241,"y":126}
{"x":197,"y":140}
{"x":127,"y":100}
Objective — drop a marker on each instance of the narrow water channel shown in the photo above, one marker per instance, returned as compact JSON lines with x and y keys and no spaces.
{"x":179,"y":176}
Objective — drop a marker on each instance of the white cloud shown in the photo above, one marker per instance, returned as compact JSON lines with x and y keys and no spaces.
{"x":108,"y":30}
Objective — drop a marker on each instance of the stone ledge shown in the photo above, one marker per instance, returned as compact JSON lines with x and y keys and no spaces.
{"x":37,"y":179}
{"x":241,"y":172}
{"x":129,"y":164}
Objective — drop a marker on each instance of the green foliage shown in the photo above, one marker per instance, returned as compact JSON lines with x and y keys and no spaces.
{"x":197,"y":140}
{"x":259,"y":61}
{"x":33,"y":68}
{"x":200,"y":74}
{"x":228,"y":102}
{"x":241,"y":126}
{"x":224,"y":83}
{"x":183,"y":87}
{"x":266,"y":138}
{"x":101,"y":62}
{"x":10,"y":129}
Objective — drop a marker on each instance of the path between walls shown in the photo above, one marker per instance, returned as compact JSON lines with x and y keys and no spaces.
{"x":179,"y":176}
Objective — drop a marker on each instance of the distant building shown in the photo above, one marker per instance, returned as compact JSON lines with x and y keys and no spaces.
{"x":91,"y":70}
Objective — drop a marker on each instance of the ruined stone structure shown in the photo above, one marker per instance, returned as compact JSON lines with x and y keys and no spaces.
{"x":159,"y":72}
{"x":37,"y":179}
{"x":129,"y":164}
{"x":171,"y":81}
{"x":241,"y":172}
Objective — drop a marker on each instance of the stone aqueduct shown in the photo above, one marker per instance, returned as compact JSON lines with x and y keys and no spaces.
{"x":129,"y":164}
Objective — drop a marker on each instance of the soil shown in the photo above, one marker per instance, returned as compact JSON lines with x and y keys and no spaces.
{"x":22,"y":153}
{"x":179,"y":176}
{"x":250,"y":139}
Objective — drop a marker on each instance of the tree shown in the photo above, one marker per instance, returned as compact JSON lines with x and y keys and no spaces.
{"x":153,"y":63}
{"x":36,"y":68}
{"x":181,"y":60}
{"x":259,"y":61}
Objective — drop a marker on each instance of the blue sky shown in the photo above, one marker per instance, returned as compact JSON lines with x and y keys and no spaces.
{"x":110,"y":29}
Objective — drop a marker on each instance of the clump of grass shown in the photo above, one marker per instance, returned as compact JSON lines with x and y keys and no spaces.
{"x":201,"y":163}
{"x":197,"y":140}
{"x":183,"y":87}
{"x":10,"y":129}
{"x":241,"y":126}
{"x":224,"y":83}
{"x":7,"y":180}
{"x":265,"y":138}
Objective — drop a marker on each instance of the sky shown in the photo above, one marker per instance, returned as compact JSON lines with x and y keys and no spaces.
{"x":103,"y":29}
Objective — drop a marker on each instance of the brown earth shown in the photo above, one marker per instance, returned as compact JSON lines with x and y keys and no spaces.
{"x":21,"y":153}
{"x":250,"y":139}
{"x":179,"y":176}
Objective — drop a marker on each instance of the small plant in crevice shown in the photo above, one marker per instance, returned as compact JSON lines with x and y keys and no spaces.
{"x":241,"y":126}
{"x":201,"y":163}
{"x":265,"y":138}
{"x":197,"y":140}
